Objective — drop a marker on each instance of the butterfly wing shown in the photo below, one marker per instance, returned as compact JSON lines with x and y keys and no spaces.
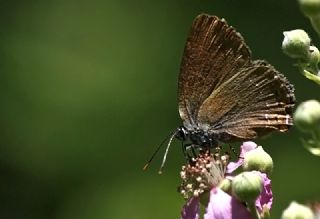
{"x":214,"y":52}
{"x":253,"y":102}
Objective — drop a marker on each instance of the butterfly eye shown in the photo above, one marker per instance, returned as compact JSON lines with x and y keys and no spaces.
{"x":182,"y":133}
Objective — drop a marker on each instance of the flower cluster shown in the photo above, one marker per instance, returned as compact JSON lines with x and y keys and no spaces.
{"x":203,"y":173}
{"x":297,"y":45}
{"x":210,"y":179}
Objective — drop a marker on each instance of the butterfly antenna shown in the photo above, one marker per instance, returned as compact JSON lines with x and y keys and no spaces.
{"x":166,"y":152}
{"x":171,"y":135}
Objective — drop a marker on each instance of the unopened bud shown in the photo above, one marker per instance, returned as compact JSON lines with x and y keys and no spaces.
{"x":225,"y":185}
{"x":247,"y":186}
{"x":307,"y":116}
{"x":296,"y":44}
{"x":296,"y":210}
{"x":314,"y":55}
{"x":259,"y":160}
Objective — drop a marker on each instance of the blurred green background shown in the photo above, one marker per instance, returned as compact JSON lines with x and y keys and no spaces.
{"x":88,"y":90}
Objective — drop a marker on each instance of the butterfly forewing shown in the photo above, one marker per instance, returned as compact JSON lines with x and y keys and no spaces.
{"x":214,"y":52}
{"x":226,"y":94}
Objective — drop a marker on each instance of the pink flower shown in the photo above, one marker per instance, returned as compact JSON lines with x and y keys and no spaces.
{"x":191,"y":209}
{"x":222,"y":205}
{"x":265,"y":199}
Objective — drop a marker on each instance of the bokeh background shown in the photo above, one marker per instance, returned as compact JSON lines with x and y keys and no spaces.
{"x":88,"y":90}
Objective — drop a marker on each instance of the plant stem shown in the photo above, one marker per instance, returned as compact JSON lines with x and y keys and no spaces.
{"x":253,"y":210}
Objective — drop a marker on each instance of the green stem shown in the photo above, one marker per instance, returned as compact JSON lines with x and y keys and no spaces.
{"x":252,"y":208}
{"x":315,"y":21}
{"x":309,"y":75}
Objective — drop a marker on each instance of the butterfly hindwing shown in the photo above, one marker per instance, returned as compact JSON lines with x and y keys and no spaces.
{"x":255,"y":101}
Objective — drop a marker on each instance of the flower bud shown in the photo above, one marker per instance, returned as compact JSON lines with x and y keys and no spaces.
{"x":296,"y":210}
{"x":310,"y":8}
{"x":296,"y":44}
{"x":247,"y":186}
{"x":314,"y":55}
{"x":225,"y":185}
{"x":259,"y":160}
{"x":307,"y":116}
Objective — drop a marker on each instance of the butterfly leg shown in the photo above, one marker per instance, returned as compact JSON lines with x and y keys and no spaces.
{"x":193,"y":150}
{"x":207,"y":147}
{"x":185,"y":152}
{"x":189,"y":151}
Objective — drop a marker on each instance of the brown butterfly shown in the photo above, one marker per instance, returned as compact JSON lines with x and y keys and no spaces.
{"x":224,"y":96}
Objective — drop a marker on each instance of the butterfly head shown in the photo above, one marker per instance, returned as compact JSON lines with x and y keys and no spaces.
{"x":196,"y":137}
{"x":182,"y":134}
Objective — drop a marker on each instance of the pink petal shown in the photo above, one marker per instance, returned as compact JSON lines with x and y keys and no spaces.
{"x":224,"y":206}
{"x":265,"y":199}
{"x":191,"y":209}
{"x":245,"y":147}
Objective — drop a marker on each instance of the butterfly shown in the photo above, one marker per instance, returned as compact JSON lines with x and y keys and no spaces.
{"x":223,"y":95}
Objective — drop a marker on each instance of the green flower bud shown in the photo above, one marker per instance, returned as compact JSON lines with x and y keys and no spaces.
{"x":314,"y":55}
{"x":310,"y":8}
{"x":297,"y":211}
{"x":225,"y":185}
{"x":259,"y":160}
{"x":307,"y":116}
{"x":296,"y":44}
{"x":247,"y":186}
